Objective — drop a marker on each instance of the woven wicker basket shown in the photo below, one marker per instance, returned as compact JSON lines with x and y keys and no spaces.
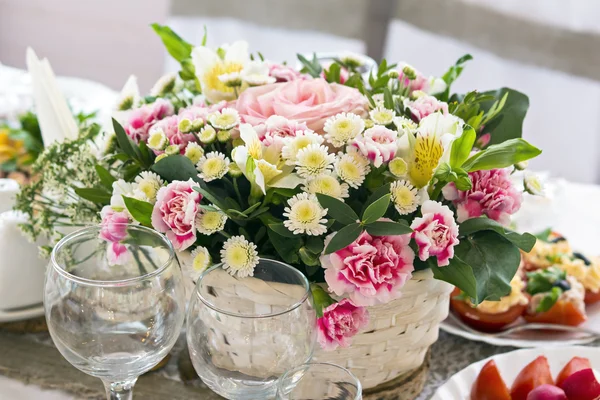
{"x":399,"y":333}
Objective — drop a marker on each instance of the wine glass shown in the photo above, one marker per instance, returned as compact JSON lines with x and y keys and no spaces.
{"x":115,"y":302}
{"x":243,"y":333}
{"x":319,"y":381}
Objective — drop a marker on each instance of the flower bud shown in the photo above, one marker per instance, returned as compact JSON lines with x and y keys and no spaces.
{"x":172,"y":150}
{"x":234,"y":170}
{"x":393,"y":74}
{"x":207,"y":135}
{"x":197,"y":125}
{"x":409,"y":72}
{"x":158,"y":140}
{"x":522,"y":165}
{"x":398,"y":167}
{"x":185,"y":125}
{"x":223,"y":136}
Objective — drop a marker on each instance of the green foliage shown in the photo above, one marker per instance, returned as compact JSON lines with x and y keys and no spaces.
{"x":383,"y":228}
{"x":452,"y":74}
{"x":462,"y":147}
{"x":508,"y":123}
{"x":544,"y":280}
{"x":178,"y":48}
{"x":100,"y":196}
{"x":523,"y":241}
{"x":321,"y":299}
{"x":549,"y":300}
{"x":332,"y":74}
{"x":376,"y":210}
{"x":544,"y":235}
{"x":344,"y":237}
{"x":105,"y":177}
{"x":176,"y":168}
{"x":141,"y":211}
{"x":501,"y":155}
{"x":312,"y":67}
{"x":337,"y":209}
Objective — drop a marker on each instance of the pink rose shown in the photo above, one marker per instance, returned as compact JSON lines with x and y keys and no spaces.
{"x":309,"y":101}
{"x":371,"y":270}
{"x":113,"y":229}
{"x":436,"y":233}
{"x":284,"y":73}
{"x":419,"y":83}
{"x":492,"y":194}
{"x":170,"y":127}
{"x":340,"y":321}
{"x":425,"y":105}
{"x":141,"y":119}
{"x":276,"y":128}
{"x":175,"y":213}
{"x":379,"y":144}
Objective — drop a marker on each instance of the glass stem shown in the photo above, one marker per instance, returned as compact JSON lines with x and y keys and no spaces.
{"x":119,"y":390}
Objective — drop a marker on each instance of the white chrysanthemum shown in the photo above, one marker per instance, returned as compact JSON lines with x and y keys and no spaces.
{"x":382,"y":116}
{"x":172,"y":149}
{"x":350,"y":170}
{"x":199,"y":262}
{"x":404,"y":125}
{"x":352,"y":60}
{"x":227,"y":118}
{"x":207,"y":134}
{"x":120,"y":188}
{"x":213,"y":165}
{"x":129,"y":96}
{"x":209,"y":222}
{"x":305,"y":215}
{"x":291,"y":145}
{"x":239,"y":256}
{"x":533,"y":184}
{"x":342,"y":128}
{"x":314,"y":160}
{"x":157,"y":140}
{"x":256,"y":73}
{"x":398,"y":167}
{"x":194,"y":152}
{"x":165,"y":84}
{"x":231,"y":79}
{"x":149,"y":183}
{"x":327,"y":184}
{"x":405,"y":197}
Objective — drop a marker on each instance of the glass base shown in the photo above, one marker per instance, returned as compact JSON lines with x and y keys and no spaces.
{"x":240,"y":389}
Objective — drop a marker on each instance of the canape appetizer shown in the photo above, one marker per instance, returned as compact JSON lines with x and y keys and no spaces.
{"x":548,"y":250}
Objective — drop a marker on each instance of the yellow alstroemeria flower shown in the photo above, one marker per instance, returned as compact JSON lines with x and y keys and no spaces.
{"x":11,"y":148}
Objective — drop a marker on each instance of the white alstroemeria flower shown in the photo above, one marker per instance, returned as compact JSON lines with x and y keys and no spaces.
{"x":210,"y":66}
{"x":129,"y":96}
{"x":256,"y":73}
{"x":436,"y":85}
{"x":120,"y":188}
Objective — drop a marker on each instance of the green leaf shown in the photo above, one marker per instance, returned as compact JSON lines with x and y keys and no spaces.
{"x":105,"y":177}
{"x":176,"y":168}
{"x":494,"y":261}
{"x":543,"y":280}
{"x":308,"y":258}
{"x":178,"y":48}
{"x":549,"y":300}
{"x":384,"y":228}
{"x":343,"y":237}
{"x":337,"y":209}
{"x":141,"y":211}
{"x":280,"y":229}
{"x":313,"y":68}
{"x":453,"y":73}
{"x":321,"y":299}
{"x":287,"y":248}
{"x":388,"y":100}
{"x":99,"y":196}
{"x":376,"y":210}
{"x":523,"y":241}
{"x":332,"y":74}
{"x":125,"y":144}
{"x":205,"y":192}
{"x":462,"y":147}
{"x":501,"y":155}
{"x":253,"y":207}
{"x":508,"y":124}
{"x":457,"y":273}
{"x":314,"y":244}
{"x":544,"y":235}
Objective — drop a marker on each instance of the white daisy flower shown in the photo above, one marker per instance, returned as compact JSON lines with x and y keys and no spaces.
{"x":165,"y":84}
{"x":327,"y":184}
{"x":194,"y":152}
{"x":405,"y":197}
{"x":149,"y":183}
{"x":120,"y":189}
{"x":342,"y":128}
{"x":382,"y":116}
{"x":207,"y":134}
{"x":256,"y":73}
{"x":291,"y":145}
{"x":398,"y":167}
{"x":223,"y":136}
{"x":172,"y":149}
{"x":404,"y":125}
{"x":533,"y":184}
{"x":314,"y":160}
{"x":157,"y":140}
{"x":352,"y":60}
{"x":227,"y":118}
{"x":213,"y":165}
{"x":198,"y":262}
{"x":239,"y":257}
{"x":305,"y":215}
{"x":232,"y":79}
{"x":209,"y":222}
{"x":350,"y":169}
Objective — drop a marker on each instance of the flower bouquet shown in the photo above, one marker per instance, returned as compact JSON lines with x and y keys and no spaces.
{"x":361,"y":181}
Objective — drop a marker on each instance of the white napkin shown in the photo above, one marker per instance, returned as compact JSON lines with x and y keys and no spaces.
{"x":9,"y":188}
{"x":56,"y":120}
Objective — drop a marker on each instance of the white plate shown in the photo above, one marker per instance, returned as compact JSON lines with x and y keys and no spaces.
{"x":22,"y":314}
{"x":458,"y":387}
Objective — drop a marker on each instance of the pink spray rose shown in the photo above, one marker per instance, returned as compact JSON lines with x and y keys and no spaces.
{"x":371,"y":270}
{"x":419,"y":83}
{"x":309,"y":101}
{"x":201,"y":111}
{"x":379,"y":144}
{"x":175,"y":213}
{"x":340,"y":321}
{"x":113,"y":230}
{"x":169,"y":126}
{"x":276,"y":128}
{"x":425,"y":105}
{"x":141,"y":119}
{"x":492,"y":194}
{"x":436,"y":232}
{"x":284,"y":73}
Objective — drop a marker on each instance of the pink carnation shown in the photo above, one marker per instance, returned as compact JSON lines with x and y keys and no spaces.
{"x":379,"y":144}
{"x":284,"y":73}
{"x":170,"y":127}
{"x":436,"y":233}
{"x":419,"y":83}
{"x":113,"y":229}
{"x":141,"y":119}
{"x":426,"y":105}
{"x":276,"y":128}
{"x":175,"y":213}
{"x":371,"y":270}
{"x":492,"y":194}
{"x":341,"y":321}
{"x":309,"y":101}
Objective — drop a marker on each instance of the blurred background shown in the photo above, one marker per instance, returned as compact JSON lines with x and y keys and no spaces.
{"x":548,"y":49}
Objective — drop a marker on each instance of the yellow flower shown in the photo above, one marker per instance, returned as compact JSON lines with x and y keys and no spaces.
{"x":11,"y":148}
{"x":426,"y":154}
